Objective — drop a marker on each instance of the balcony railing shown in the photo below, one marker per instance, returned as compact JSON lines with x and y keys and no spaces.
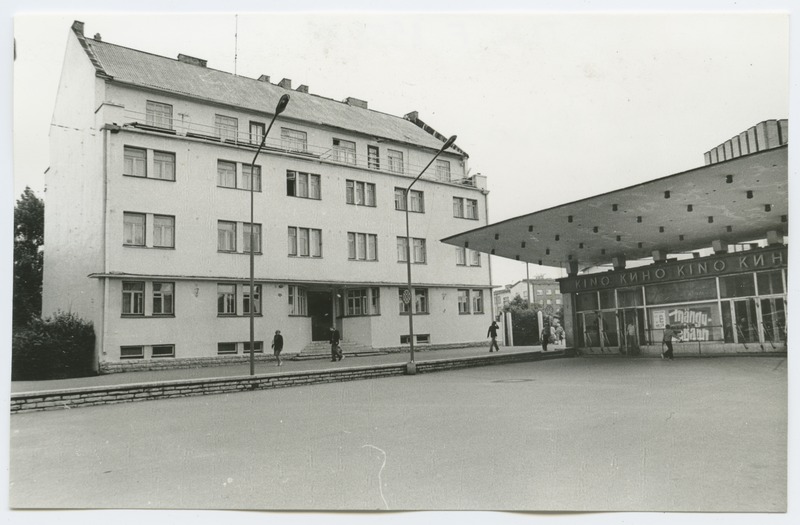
{"x":243,"y":139}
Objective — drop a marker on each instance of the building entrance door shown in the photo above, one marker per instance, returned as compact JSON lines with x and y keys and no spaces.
{"x":631,"y":328}
{"x":745,"y":321}
{"x":320,"y":308}
{"x":773,"y":320}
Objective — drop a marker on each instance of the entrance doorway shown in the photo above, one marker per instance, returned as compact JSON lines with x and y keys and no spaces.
{"x":320,"y":309}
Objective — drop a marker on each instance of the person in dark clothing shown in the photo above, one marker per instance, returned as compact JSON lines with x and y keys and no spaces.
{"x":546,"y":336}
{"x":493,"y":334}
{"x":277,"y":346}
{"x":669,"y":333}
{"x":336,"y":350}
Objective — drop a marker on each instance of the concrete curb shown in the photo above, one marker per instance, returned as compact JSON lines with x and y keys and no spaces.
{"x":113,"y":394}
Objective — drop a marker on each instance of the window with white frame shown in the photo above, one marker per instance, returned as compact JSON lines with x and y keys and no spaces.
{"x":294,"y":140}
{"x":163,"y":165}
{"x":257,"y":130}
{"x":163,"y":231}
{"x":416,"y":200}
{"x":298,"y":300}
{"x":465,"y":208}
{"x":158,"y":115}
{"x":226,"y":128}
{"x":226,"y":299}
{"x":474,"y":258}
{"x":418,"y":250}
{"x":471,"y":209}
{"x":249,"y":174}
{"x":359,"y":193}
{"x":305,"y":185}
{"x":549,"y":292}
{"x":133,"y":229}
{"x":477,"y":301}
{"x":373,"y":157}
{"x":540,"y":292}
{"x":133,"y":298}
{"x":461,"y":256}
{"x":463,"y":301}
{"x":259,"y":347}
{"x":458,"y":207}
{"x":362,"y":246}
{"x":163,"y":298}
{"x":442,"y":170}
{"x":420,"y":301}
{"x":395,"y":160}
{"x":131,"y":352}
{"x":305,"y":242}
{"x":226,"y":236}
{"x":256,"y":230}
{"x":226,"y":348}
{"x":135,"y":162}
{"x":163,"y":351}
{"x":344,"y":151}
{"x":362,"y":301}
{"x":256,"y":299}
{"x":226,"y":174}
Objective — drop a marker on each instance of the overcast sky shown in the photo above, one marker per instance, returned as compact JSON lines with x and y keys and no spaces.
{"x":550,"y":107}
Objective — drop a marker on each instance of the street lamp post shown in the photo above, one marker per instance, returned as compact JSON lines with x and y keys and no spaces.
{"x":408,"y":297}
{"x":282,"y":103}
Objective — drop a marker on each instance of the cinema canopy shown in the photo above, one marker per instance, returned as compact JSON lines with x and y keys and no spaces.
{"x":703,"y":249}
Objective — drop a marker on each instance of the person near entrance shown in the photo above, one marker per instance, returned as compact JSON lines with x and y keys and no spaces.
{"x":493,"y":334}
{"x":547,"y":336}
{"x":669,"y":333}
{"x":277,"y":346}
{"x":633,"y":345}
{"x":336,"y":350}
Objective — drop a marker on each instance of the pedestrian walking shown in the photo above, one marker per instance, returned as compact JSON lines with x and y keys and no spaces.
{"x":633,"y":345}
{"x":336,"y":350}
{"x":546,"y":337}
{"x":277,"y":346}
{"x":669,"y":333}
{"x":493,"y":334}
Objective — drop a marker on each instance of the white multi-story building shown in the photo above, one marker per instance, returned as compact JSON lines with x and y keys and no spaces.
{"x":147,"y":220}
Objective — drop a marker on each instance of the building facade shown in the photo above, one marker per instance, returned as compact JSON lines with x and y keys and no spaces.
{"x":538,"y":292}
{"x":148,"y":222}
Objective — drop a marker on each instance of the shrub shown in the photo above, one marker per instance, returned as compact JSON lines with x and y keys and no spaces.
{"x":56,"y":347}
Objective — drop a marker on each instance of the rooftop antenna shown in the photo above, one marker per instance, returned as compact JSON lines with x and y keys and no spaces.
{"x":236,"y":44}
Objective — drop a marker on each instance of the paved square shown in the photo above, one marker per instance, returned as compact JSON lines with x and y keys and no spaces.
{"x":571,"y":434}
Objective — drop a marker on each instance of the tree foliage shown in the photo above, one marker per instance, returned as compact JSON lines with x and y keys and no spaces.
{"x":57,"y":347}
{"x":28,"y":257}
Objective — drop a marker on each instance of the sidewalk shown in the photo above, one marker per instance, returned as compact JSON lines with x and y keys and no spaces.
{"x":264,"y":368}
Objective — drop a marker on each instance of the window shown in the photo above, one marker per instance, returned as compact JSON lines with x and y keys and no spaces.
{"x":305,"y":242}
{"x":131,"y":352}
{"x":461,"y":256}
{"x":362,"y":246}
{"x":132,"y":298}
{"x":249,"y":174}
{"x":463,"y":301}
{"x":420,"y":301}
{"x":373,"y":158}
{"x":298,"y":301}
{"x":163,"y":165}
{"x":163,"y":351}
{"x":474,"y":258}
{"x":305,"y":185}
{"x":163,"y":231}
{"x":259,"y":346}
{"x":256,"y":237}
{"x":226,"y":128}
{"x":421,"y":338}
{"x":163,"y":298}
{"x":472,"y":209}
{"x":344,"y":151}
{"x":549,"y":292}
{"x":133,"y":229}
{"x":458,"y":207}
{"x":539,"y":292}
{"x":226,"y":348}
{"x":257,"y":130}
{"x":477,"y":301}
{"x":294,"y":140}
{"x":226,"y":174}
{"x":362,"y":301}
{"x":416,"y":200}
{"x":256,"y":299}
{"x":418,"y":250}
{"x":159,"y":115}
{"x":395,"y":159}
{"x":359,"y":193}
{"x":226,"y":299}
{"x":226,"y":236}
{"x":135,"y":162}
{"x":442,"y":170}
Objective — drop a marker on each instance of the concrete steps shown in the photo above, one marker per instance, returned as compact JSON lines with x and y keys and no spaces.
{"x":322,"y":350}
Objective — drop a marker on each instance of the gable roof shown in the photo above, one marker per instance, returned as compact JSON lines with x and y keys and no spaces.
{"x":138,"y":68}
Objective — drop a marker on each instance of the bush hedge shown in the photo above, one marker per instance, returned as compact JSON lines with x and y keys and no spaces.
{"x":56,"y":347}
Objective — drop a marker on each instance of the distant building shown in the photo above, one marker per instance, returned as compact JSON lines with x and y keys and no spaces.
{"x":539,"y":293}
{"x":148,"y":219}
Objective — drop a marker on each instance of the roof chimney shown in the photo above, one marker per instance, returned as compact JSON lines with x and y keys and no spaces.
{"x":286,"y":83}
{"x":302,"y":88}
{"x":264,"y":78}
{"x":356,"y":102}
{"x":186,"y":59}
{"x":77,"y":27}
{"x":98,"y":37}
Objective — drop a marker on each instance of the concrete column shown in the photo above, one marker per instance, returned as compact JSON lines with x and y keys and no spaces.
{"x":570,"y":321}
{"x":572,"y":268}
{"x":659,"y":256}
{"x":618,"y":262}
{"x":719,"y":246}
{"x":774,"y":238}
